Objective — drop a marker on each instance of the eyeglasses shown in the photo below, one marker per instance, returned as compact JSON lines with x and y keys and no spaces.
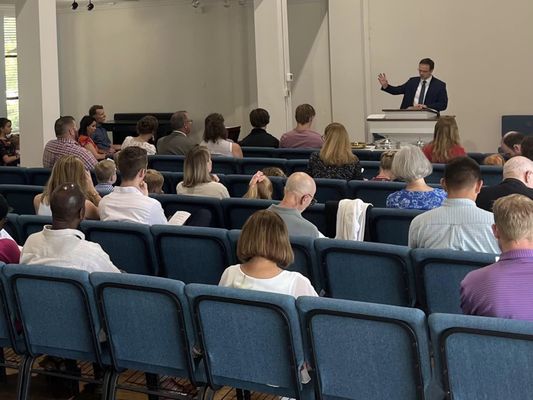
{"x":313,"y":201}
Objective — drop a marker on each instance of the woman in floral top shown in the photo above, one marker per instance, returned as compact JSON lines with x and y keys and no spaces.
{"x":335,"y":159}
{"x":412,"y":166}
{"x":8,"y":149}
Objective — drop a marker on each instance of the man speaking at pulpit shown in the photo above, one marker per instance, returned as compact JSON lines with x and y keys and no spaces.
{"x":423,"y":91}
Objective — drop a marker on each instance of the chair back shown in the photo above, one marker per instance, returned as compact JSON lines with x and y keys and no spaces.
{"x":391,"y":225}
{"x":57,"y":309}
{"x":439,"y":274}
{"x":366,"y":351}
{"x":483,"y":358}
{"x":330,"y":189}
{"x":173,"y":202}
{"x":129,"y":246}
{"x":371,"y":272}
{"x":13,"y":175}
{"x":251,"y":339}
{"x":192,"y":254}
{"x":250,"y":166}
{"x":373,"y":192}
{"x":30,"y":224}
{"x":20,"y":197}
{"x":166,"y":163}
{"x":131,"y":307}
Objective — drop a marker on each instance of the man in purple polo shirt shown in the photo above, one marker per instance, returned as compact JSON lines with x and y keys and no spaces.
{"x":302,"y":136}
{"x":505,"y":289}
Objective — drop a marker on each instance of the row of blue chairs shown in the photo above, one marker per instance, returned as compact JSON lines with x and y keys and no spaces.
{"x":308,"y":348}
{"x":248,"y":166}
{"x":298,"y":154}
{"x":371,"y":272}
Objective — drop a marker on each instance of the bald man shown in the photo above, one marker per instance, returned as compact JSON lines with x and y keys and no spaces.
{"x":299,"y":194}
{"x":517,"y":178}
{"x":62,"y":244}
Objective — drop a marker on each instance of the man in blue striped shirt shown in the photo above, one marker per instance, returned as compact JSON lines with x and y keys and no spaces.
{"x":458,"y":224}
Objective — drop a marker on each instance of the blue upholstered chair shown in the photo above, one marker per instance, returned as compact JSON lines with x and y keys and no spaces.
{"x":130,"y":246}
{"x":20,"y":197}
{"x":362,"y":271}
{"x":173,"y":202}
{"x":250,"y":340}
{"x":29,"y":224}
{"x":148,"y":325}
{"x":166,"y":163}
{"x":59,"y":317}
{"x":192,"y":254}
{"x":439,"y":274}
{"x":391,"y":225}
{"x":366,"y":351}
{"x":13,"y":175}
{"x":483,"y":358}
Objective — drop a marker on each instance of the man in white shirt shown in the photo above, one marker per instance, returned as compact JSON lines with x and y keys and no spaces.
{"x":130,"y":202}
{"x":62,"y":244}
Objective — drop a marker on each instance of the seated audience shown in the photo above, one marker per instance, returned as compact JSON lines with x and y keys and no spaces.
{"x":302,"y":135}
{"x":265,"y":251}
{"x":130,"y":202}
{"x":259,"y":137}
{"x":154,"y":180}
{"x":335,"y":160}
{"x":511,"y":144}
{"x":216,"y":138}
{"x":69,"y":169}
{"x":526,"y":147}
{"x":66,"y":144}
{"x":517,"y":178}
{"x":299,"y":194}
{"x":274,"y":171}
{"x":446,"y":143}
{"x":505,"y":289}
{"x":100,"y":136}
{"x":9,"y":155}
{"x":106,"y":176}
{"x":458,"y":224}
{"x":197,"y":178}
{"x":178,"y":141}
{"x":260,"y":187}
{"x":146,"y":131}
{"x":494,"y":159}
{"x":85,"y":135}
{"x":62,"y":244}
{"x":385,"y":164}
{"x":412,"y":166}
{"x":9,"y":249}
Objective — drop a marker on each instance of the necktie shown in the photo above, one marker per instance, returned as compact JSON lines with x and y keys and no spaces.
{"x":422,"y":93}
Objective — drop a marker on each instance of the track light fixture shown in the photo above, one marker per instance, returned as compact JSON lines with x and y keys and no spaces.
{"x":90,"y":6}
{"x":195,"y":3}
{"x":74,"y":5}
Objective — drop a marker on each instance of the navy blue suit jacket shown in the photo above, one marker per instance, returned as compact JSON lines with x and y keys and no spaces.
{"x":436,"y":95}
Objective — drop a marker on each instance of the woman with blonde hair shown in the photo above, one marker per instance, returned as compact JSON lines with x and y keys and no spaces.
{"x":265,"y":251}
{"x":69,"y":169}
{"x":260,"y":187}
{"x":335,"y":159}
{"x":197,"y":178}
{"x":446,"y":143}
{"x":385,"y":167}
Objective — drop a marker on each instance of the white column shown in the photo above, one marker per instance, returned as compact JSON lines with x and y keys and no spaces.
{"x":3,"y":105}
{"x":347,"y":60}
{"x":38,"y":76}
{"x":272,"y":63}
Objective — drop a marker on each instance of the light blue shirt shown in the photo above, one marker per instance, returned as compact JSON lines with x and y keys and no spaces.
{"x":457,"y":225}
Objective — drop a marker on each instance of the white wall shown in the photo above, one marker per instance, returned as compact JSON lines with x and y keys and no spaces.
{"x":481,"y":49}
{"x":309,"y":58}
{"x":166,"y":57}
{"x":160,"y":57}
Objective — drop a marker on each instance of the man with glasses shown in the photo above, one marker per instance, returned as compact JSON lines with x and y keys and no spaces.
{"x":299,"y":194}
{"x":420,"y":92}
{"x":177,"y":142}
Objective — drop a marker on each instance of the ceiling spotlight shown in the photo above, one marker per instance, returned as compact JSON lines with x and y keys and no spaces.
{"x":74,"y":5}
{"x":90,"y":6}
{"x":195,"y":3}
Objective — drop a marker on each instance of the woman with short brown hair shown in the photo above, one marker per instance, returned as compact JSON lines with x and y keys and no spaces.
{"x":265,"y":251}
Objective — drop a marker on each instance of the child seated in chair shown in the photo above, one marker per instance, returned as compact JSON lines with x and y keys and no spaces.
{"x":106,"y":176}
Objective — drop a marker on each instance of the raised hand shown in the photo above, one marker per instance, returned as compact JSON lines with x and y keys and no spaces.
{"x":382,"y":78}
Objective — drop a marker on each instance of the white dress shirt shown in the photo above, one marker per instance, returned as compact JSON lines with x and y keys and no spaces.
{"x":419,"y":88}
{"x":128,"y":204}
{"x":65,"y":248}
